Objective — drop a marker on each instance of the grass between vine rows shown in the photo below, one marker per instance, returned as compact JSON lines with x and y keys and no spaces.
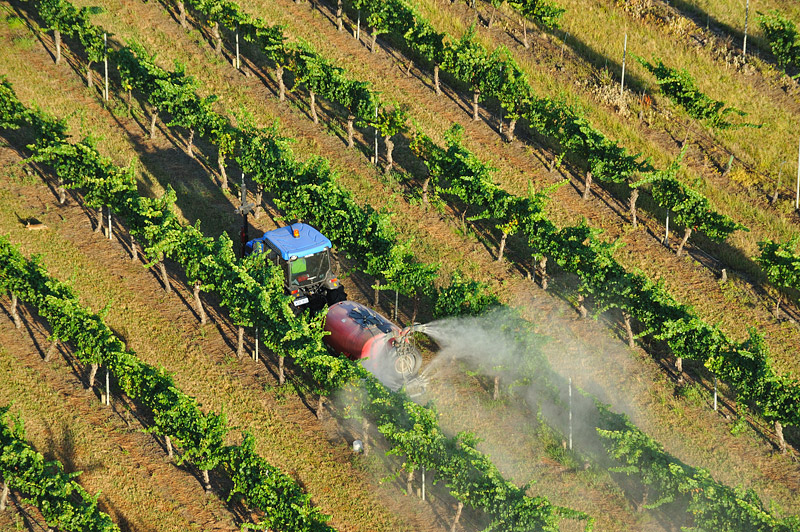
{"x":286,"y":434}
{"x":176,"y":155}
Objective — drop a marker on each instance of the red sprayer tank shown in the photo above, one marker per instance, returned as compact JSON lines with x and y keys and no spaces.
{"x":360,"y":333}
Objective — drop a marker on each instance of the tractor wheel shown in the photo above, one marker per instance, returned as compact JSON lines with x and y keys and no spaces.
{"x":407,"y":364}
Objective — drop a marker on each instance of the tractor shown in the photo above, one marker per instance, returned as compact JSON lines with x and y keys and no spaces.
{"x":304,"y":255}
{"x":355,"y":331}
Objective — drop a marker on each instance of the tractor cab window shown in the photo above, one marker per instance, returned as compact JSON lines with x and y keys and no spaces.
{"x":304,"y":271}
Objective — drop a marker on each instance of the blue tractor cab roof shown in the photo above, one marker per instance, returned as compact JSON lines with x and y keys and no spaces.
{"x":307,"y":242}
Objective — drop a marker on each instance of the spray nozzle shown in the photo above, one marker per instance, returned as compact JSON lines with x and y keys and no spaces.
{"x":417,"y":327}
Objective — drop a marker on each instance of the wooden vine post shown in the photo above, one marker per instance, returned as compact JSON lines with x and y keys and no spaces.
{"x":257,"y":209}
{"x":459,"y":508}
{"x":134,"y":249}
{"x":50,"y":350}
{"x":4,"y":497}
{"x":350,"y":119}
{"x":182,"y":14}
{"x":99,"y":219}
{"x":634,"y":198}
{"x":778,"y":301}
{"x":199,"y":303}
{"x":57,"y":37}
{"x":153,"y":118}
{"x":387,"y":140}
{"x":62,"y":191}
{"x":509,"y":132}
{"x":628,"y":329}
{"x":14,"y":313}
{"x":542,"y":266}
{"x":582,"y":307}
{"x":240,"y":342}
{"x":425,"y":185}
{"x":217,"y":38}
{"x":92,"y":374}
{"x":164,"y":276}
{"x":524,"y":23}
{"x":281,"y":84}
{"x":190,"y":143}
{"x":320,"y":407}
{"x":587,"y":185}
{"x":779,"y":433}
{"x":314,"y":107}
{"x":502,"y":247}
{"x":686,"y":234}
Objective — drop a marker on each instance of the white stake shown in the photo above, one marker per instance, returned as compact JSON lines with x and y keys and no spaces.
{"x":624,"y":56}
{"x":256,"y":357}
{"x":666,"y":232}
{"x":797,"y":189}
{"x":746,"y":16}
{"x":570,"y":413}
{"x":358,"y":26}
{"x":105,"y":65}
{"x":110,"y":234}
{"x":423,"y":483}
{"x":237,"y":49}
{"x":108,"y":389}
{"x":376,"y":137}
{"x":715,"y":393}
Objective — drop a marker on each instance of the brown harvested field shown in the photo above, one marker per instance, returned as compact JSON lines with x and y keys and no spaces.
{"x":288,"y":433}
